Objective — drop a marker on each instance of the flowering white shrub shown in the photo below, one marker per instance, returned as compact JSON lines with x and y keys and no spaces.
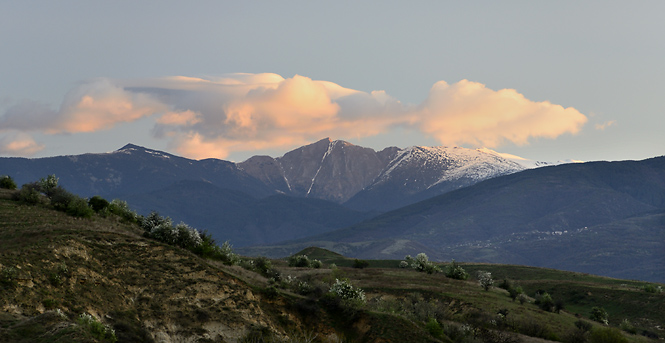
{"x":485,"y":279}
{"x":421,"y":263}
{"x":345,"y":290}
{"x":403,"y":264}
{"x":98,"y":330}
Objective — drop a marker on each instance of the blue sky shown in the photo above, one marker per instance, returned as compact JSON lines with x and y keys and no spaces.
{"x":543,"y":80}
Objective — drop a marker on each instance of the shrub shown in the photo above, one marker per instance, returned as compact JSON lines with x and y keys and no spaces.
{"x":29,"y":194}
{"x":545,"y":301}
{"x":98,"y":330}
{"x":360,"y":264}
{"x":187,"y":237}
{"x":346,"y":291}
{"x":434,"y":328}
{"x":299,"y":261}
{"x":317,"y":264}
{"x":48,"y":185}
{"x":403,"y":264}
{"x":455,"y":271}
{"x":607,"y":335}
{"x":98,"y":203}
{"x":422,"y":264}
{"x":485,"y":279}
{"x":7,"y":182}
{"x":78,"y":207}
{"x":121,"y":209}
{"x":599,"y":314}
{"x":653,"y":288}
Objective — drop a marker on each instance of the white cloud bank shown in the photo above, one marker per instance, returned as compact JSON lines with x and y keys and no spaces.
{"x":243,"y":112}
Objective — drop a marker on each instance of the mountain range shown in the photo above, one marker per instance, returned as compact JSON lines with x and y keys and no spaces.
{"x":314,"y":189}
{"x":468,"y":204}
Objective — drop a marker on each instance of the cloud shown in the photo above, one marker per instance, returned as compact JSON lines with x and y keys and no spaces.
{"x":605,"y":125}
{"x":212,"y":117}
{"x":19,"y":144}
{"x":470,"y":113}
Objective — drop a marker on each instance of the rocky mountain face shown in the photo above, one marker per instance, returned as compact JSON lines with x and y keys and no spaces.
{"x":329,"y":170}
{"x":366,"y":180}
{"x":418,"y":173}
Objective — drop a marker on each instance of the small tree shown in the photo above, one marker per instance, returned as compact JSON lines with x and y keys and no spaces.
{"x":545,"y":301}
{"x":485,"y":279}
{"x":48,"y":184}
{"x":346,"y":291}
{"x":455,"y":271}
{"x":7,"y":182}
{"x":98,"y":203}
{"x":599,"y":314}
{"x":360,"y":264}
{"x":300,"y":261}
{"x":422,"y":264}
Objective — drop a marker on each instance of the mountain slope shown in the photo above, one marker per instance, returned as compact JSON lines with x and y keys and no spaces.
{"x":418,"y":173}
{"x":131,"y":169}
{"x":241,"y":219}
{"x":502,"y":219}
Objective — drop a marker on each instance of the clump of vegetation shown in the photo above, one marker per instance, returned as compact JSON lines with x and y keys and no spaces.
{"x":360,"y":264}
{"x":7,"y":182}
{"x":98,"y":204}
{"x":421,"y":263}
{"x":301,"y":261}
{"x":650,"y":288}
{"x":544,"y":301}
{"x":599,"y":314}
{"x":98,"y":330}
{"x":455,"y":271}
{"x":485,"y":279}
{"x":346,"y":291}
{"x":58,"y":197}
{"x":607,"y":335}
{"x":182,"y":235}
{"x":121,"y":209}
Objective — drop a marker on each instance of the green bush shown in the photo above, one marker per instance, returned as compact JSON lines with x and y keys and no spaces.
{"x":78,"y":207}
{"x":299,"y":261}
{"x":599,"y":314}
{"x":96,"y":329}
{"x":607,"y":335}
{"x":7,"y":182}
{"x":422,"y":264}
{"x":434,"y":328}
{"x":48,"y":185}
{"x":121,"y":209}
{"x":360,"y":264}
{"x":545,"y":302}
{"x":455,"y":271}
{"x":98,"y":203}
{"x":29,"y":194}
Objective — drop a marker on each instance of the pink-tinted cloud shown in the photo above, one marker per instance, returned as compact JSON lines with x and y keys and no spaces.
{"x":19,"y":144}
{"x":243,"y":112}
{"x":470,"y":113}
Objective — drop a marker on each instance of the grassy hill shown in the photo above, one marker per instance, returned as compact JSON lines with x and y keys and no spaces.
{"x":54,"y":268}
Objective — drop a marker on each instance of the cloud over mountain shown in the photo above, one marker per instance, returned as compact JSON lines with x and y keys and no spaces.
{"x":242,"y":112}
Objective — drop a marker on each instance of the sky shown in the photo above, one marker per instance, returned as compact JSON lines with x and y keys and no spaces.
{"x":548,"y":81}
